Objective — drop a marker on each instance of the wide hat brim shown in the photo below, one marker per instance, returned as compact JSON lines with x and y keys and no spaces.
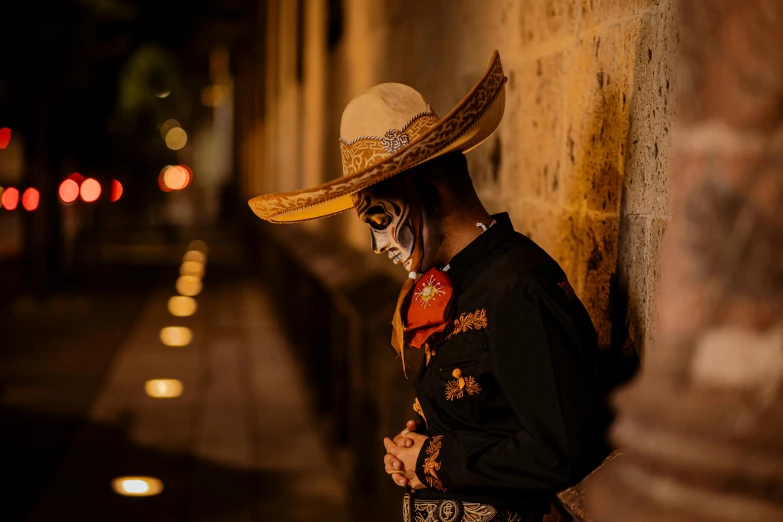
{"x":465,"y":127}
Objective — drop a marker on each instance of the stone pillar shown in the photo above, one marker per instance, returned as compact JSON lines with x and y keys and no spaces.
{"x":701,"y":431}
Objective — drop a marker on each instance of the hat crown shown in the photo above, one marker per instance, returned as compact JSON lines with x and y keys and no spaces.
{"x":379,"y":109}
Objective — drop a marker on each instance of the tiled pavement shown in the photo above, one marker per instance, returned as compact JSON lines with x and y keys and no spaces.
{"x":239,"y":444}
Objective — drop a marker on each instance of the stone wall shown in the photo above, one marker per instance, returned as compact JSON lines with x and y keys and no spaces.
{"x":579,"y":160}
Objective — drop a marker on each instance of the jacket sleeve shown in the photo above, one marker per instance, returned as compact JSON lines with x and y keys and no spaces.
{"x":540,"y":367}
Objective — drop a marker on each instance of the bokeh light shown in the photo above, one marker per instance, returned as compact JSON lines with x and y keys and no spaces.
{"x":195,"y":255}
{"x":163,"y":388}
{"x":90,"y":190}
{"x":189,"y":285}
{"x":175,"y":178}
{"x":199,"y":246}
{"x":192,"y":268}
{"x":176,"y":138}
{"x":5,"y":137}
{"x":10,"y":198}
{"x":176,"y":335}
{"x":182,"y":306}
{"x":137,"y":486}
{"x":69,"y":191}
{"x":30,"y":199}
{"x":161,"y":184}
{"x":78,"y":178}
{"x":166,"y":126}
{"x":163,"y":94}
{"x":116,"y":190}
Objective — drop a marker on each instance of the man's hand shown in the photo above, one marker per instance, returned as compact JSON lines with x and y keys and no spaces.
{"x":402,"y":453}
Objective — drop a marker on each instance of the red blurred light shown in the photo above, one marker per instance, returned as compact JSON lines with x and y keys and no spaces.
{"x":190,"y":175}
{"x":5,"y":137}
{"x":78,"y":178}
{"x":90,"y":190}
{"x":10,"y":198}
{"x":30,"y":199}
{"x":116,"y":190}
{"x":69,"y":191}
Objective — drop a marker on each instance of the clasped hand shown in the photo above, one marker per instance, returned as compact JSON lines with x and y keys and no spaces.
{"x":401,"y":456}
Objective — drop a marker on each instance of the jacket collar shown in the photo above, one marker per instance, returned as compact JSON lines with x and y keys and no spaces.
{"x":466,"y":259}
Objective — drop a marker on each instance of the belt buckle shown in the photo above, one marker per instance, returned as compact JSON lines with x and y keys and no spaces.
{"x":449,"y":510}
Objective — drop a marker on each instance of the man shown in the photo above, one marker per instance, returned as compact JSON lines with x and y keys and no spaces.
{"x":509,"y":412}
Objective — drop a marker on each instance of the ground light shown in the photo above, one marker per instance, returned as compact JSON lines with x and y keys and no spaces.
{"x":30,"y":199}
{"x":163,"y":388}
{"x":137,"y":486}
{"x":68,"y":191}
{"x":182,"y":306}
{"x":90,"y":190}
{"x":5,"y":137}
{"x":176,"y":336}
{"x":189,"y":285}
{"x":116,"y":190}
{"x":10,"y":198}
{"x":194,"y":255}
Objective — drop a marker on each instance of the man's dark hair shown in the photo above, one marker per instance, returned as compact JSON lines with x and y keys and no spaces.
{"x":449,"y":171}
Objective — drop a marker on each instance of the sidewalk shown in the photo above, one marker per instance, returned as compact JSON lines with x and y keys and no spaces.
{"x":239,"y":444}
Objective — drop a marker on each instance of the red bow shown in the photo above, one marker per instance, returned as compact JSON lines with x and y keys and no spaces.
{"x":429,"y":310}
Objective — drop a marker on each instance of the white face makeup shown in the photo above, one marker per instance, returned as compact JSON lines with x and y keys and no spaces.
{"x":387,"y":215}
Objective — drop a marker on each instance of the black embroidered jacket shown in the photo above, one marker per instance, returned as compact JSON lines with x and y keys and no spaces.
{"x":508,"y":392}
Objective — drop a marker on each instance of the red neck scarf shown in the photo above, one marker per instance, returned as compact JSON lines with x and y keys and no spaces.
{"x":429,"y":308}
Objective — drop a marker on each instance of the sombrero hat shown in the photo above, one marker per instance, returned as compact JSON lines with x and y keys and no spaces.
{"x":385,"y":130}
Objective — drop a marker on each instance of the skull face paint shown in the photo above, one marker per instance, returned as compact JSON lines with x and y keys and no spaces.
{"x":384,"y":209}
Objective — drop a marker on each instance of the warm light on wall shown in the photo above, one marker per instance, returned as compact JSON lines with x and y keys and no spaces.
{"x":192,"y":268}
{"x":194,"y":255}
{"x":176,"y":336}
{"x":137,"y":486}
{"x":189,"y":285}
{"x":182,"y":306}
{"x":163,"y":388}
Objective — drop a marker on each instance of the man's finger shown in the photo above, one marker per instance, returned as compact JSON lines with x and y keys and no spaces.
{"x":390,"y":446}
{"x":412,"y":425}
{"x":391,"y":462}
{"x":403,"y":442}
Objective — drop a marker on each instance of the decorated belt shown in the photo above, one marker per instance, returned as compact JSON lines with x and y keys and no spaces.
{"x":448,"y":510}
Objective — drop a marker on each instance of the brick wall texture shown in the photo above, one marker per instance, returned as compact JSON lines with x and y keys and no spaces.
{"x":580,"y":160}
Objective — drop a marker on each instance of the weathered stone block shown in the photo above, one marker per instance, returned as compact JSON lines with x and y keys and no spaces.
{"x":657,"y":232}
{"x":598,"y":254}
{"x":534,"y":124}
{"x":597,"y":12}
{"x":631,"y":298}
{"x":649,"y":144}
{"x":597,"y":123}
{"x":542,"y":21}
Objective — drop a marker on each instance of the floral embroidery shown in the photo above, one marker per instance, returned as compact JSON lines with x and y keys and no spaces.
{"x":476,"y":320}
{"x":567,"y":289}
{"x":431,"y":465}
{"x":429,"y":291}
{"x":456,"y":389}
{"x":417,"y":408}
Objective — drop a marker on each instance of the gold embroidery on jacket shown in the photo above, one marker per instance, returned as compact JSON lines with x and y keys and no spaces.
{"x":431,"y":465}
{"x":456,"y":389}
{"x":469,"y":321}
{"x":417,"y":408}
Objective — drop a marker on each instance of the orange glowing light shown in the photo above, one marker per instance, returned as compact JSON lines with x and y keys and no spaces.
{"x":116,"y":190}
{"x":189,"y":285}
{"x":30,"y":199}
{"x":10,"y":198}
{"x":192,"y":268}
{"x":195,"y":255}
{"x":176,"y":336}
{"x":163,"y":388}
{"x":90,"y":190}
{"x":182,"y":306}
{"x":161,"y":184}
{"x":176,"y":178}
{"x":78,"y":178}
{"x":166,"y":126}
{"x":69,"y":191}
{"x":137,"y":486}
{"x":5,"y":137}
